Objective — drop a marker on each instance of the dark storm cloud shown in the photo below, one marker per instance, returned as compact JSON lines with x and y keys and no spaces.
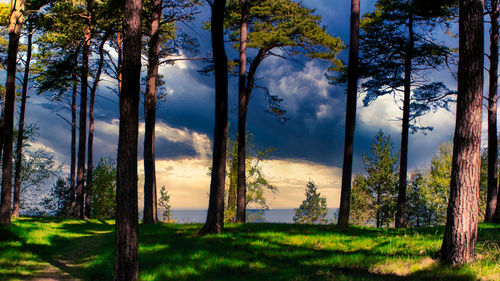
{"x":173,"y":150}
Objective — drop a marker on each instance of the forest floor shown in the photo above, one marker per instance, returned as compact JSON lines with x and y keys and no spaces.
{"x":59,"y":249}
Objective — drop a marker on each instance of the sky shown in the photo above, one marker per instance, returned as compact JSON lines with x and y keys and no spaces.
{"x":307,"y":147}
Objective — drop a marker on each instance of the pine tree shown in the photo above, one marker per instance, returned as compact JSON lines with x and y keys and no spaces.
{"x":381,"y":179}
{"x":398,"y":49}
{"x":267,"y":25}
{"x":313,"y":209}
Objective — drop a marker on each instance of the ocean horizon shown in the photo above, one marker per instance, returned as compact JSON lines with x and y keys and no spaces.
{"x":270,"y":215}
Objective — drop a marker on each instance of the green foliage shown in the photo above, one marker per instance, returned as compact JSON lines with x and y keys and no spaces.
{"x":59,"y":199}
{"x":283,"y":24}
{"x":38,"y":170}
{"x":362,"y":211}
{"x":429,"y":190}
{"x":418,"y":210}
{"x":257,"y":184}
{"x":313,"y":209}
{"x":40,"y":248}
{"x":381,"y":179}
{"x":104,"y":190}
{"x":438,"y":184}
{"x":164,"y":204}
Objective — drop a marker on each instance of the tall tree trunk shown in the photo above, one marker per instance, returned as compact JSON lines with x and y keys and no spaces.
{"x":20,"y":132}
{"x":233,"y":184}
{"x":90,"y":144}
{"x":350,"y":118}
{"x":403,"y":161}
{"x":215,"y":215}
{"x":16,"y":19}
{"x":80,"y":181}
{"x":460,"y":234}
{"x":150,"y":201}
{"x":491,"y":201}
{"x":127,"y":230}
{"x":72,"y":172}
{"x":242,"y":117}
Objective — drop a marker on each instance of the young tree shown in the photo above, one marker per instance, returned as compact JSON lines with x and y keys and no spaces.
{"x":126,"y":253}
{"x":268,"y":25}
{"x":257,"y":182}
{"x":418,"y":212}
{"x":59,"y":198}
{"x":7,"y":118}
{"x":361,"y":205}
{"x":215,"y":215}
{"x":460,"y":234}
{"x":398,"y":50}
{"x":104,"y":190}
{"x":381,"y":179}
{"x":164,"y":204}
{"x":313,"y":209}
{"x":438,"y":184}
{"x":494,"y":14}
{"x":350,"y":119}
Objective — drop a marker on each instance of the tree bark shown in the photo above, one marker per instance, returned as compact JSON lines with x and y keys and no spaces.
{"x":126,"y":253}
{"x":350,"y":119}
{"x":462,"y":215}
{"x":90,"y":144}
{"x":20,"y":133}
{"x":243,"y":100}
{"x":80,"y":181}
{"x":215,"y":215}
{"x":491,"y":200}
{"x":403,"y":161}
{"x":150,"y":200}
{"x":72,"y":172}
{"x":16,"y":19}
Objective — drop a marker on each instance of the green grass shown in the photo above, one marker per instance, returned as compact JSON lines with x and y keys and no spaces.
{"x":68,"y":249}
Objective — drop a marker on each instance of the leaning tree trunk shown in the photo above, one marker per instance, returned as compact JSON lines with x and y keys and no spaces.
{"x":215,"y":215}
{"x":20,"y":132}
{"x":460,"y":234}
{"x":90,"y":144}
{"x":80,"y":181}
{"x":16,"y":19}
{"x":350,"y":118}
{"x":150,"y":201}
{"x":242,"y":117}
{"x":491,"y":200}
{"x":72,"y":172}
{"x":127,"y":223}
{"x":403,"y":162}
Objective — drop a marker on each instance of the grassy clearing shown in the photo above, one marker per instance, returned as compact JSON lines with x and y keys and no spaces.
{"x":39,"y":248}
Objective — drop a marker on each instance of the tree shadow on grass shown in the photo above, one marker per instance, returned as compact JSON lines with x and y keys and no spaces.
{"x":85,"y":250}
{"x":76,"y":250}
{"x":246,"y":255}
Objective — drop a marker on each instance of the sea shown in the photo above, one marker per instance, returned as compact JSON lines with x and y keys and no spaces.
{"x":253,"y":215}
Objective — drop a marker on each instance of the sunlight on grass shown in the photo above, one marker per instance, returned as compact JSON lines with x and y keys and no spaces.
{"x":85,"y":250}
